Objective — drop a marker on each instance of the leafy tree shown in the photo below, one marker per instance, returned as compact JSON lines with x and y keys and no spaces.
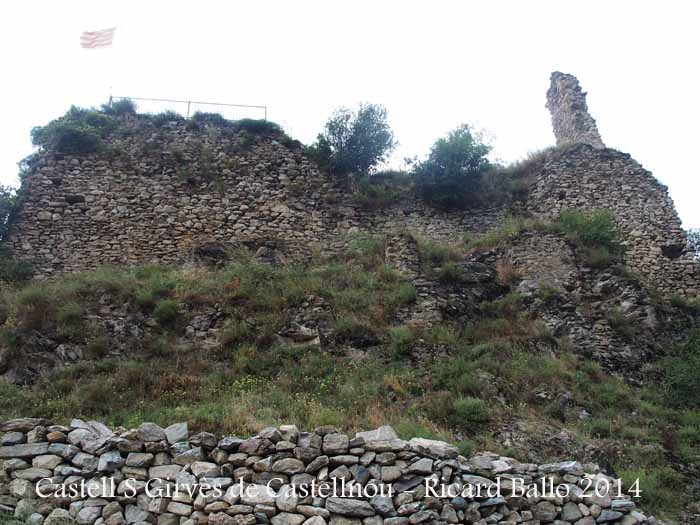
{"x":354,"y":142}
{"x":451,"y":175}
{"x":694,"y":241}
{"x":8,"y":200}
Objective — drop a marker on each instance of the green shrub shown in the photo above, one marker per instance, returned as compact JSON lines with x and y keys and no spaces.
{"x":598,"y":428}
{"x":165,"y":312}
{"x":13,"y":270}
{"x":451,"y":175}
{"x":548,"y":294}
{"x":214,"y":119}
{"x":681,"y":378}
{"x":34,"y":295}
{"x":97,"y":348}
{"x":686,"y":303}
{"x":598,"y":257}
{"x":160,"y":119}
{"x":658,"y":487}
{"x":69,"y":314}
{"x":78,"y":132}
{"x":509,"y":228}
{"x":366,"y":248}
{"x":258,"y":126}
{"x":354,"y":142}
{"x":406,"y":293}
{"x":8,"y":208}
{"x":450,"y":273}
{"x":235,"y":331}
{"x":468,"y":412}
{"x":622,"y":324}
{"x":465,"y":447}
{"x":123,"y":106}
{"x":372,"y":195}
{"x":595,"y":228}
{"x":401,"y":340}
{"x":436,"y":254}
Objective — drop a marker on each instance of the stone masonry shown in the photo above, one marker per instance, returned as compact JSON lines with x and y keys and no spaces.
{"x":571,"y":121}
{"x":283,"y":476}
{"x":158,"y":194}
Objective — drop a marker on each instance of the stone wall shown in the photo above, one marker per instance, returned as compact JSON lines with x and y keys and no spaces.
{"x":571,"y":121}
{"x":584,"y":177}
{"x":152,"y":475}
{"x":158,"y":194}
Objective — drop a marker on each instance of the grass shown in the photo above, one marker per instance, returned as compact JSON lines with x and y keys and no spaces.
{"x":622,"y":324}
{"x":460,"y":380}
{"x":381,"y":190}
{"x":510,"y":228}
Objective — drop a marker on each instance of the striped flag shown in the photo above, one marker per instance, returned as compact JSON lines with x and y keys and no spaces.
{"x":97,"y":39}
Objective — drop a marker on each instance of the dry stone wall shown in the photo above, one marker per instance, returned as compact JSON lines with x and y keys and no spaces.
{"x":162,"y":193}
{"x":571,"y":121}
{"x":584,"y":177}
{"x":91,"y":474}
{"x":157,"y":195}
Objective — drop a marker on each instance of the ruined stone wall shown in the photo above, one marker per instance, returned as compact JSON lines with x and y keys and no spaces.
{"x":571,"y":121}
{"x":153,"y":475}
{"x":158,"y":194}
{"x":588,"y":178}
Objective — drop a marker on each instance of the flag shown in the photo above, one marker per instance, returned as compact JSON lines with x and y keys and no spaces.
{"x":97,"y":39}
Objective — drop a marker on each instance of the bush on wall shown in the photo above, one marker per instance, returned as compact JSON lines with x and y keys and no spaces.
{"x":78,"y":132}
{"x":354,"y":142}
{"x":451,"y":175}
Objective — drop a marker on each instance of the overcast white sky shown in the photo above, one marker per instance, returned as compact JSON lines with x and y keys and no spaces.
{"x":433,"y":64}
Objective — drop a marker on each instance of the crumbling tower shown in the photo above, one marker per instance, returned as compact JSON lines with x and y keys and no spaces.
{"x":571,"y":121}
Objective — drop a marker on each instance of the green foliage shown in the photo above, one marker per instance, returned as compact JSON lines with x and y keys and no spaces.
{"x":685,"y":303}
{"x":451,"y":175}
{"x":375,"y":192}
{"x":123,"y":106}
{"x":366,"y":248}
{"x":214,"y":119}
{"x":548,"y":294}
{"x":590,"y":229}
{"x":165,"y":312}
{"x":13,"y":270}
{"x":354,"y":142}
{"x":621,"y":323}
{"x":657,"y":486}
{"x":70,"y":314}
{"x":165,"y":117}
{"x":401,"y":340}
{"x":509,"y":228}
{"x":681,"y":377}
{"x":467,"y":412}
{"x":435,"y":253}
{"x":258,"y":126}
{"x":8,"y":208}
{"x":78,"y":132}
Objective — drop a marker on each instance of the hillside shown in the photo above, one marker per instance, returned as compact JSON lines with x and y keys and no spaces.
{"x":210,"y":273}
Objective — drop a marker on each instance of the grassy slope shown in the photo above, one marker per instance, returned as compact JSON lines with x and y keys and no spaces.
{"x":472,"y":378}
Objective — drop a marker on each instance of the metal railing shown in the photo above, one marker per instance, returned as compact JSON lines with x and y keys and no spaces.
{"x":189,"y":103}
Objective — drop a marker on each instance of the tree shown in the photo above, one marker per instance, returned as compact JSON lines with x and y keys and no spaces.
{"x":354,"y":142}
{"x":451,"y":175}
{"x":8,"y":199}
